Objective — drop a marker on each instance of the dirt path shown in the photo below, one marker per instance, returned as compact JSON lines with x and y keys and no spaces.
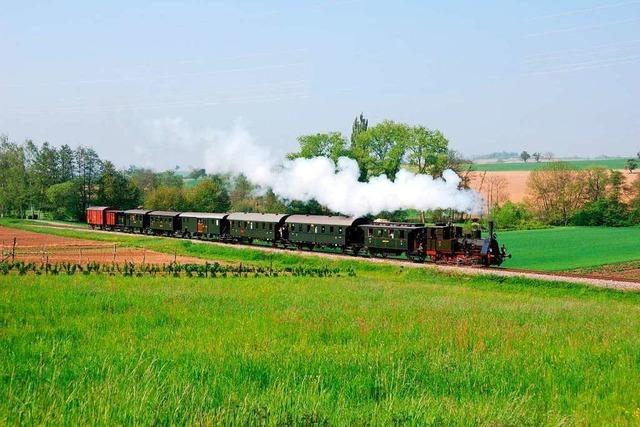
{"x":626,"y":284}
{"x":39,"y":247}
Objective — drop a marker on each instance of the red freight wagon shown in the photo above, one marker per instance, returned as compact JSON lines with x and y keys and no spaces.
{"x":96,"y":216}
{"x":114,"y":219}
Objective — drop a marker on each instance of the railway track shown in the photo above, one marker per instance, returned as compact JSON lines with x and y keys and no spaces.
{"x":591,"y":280}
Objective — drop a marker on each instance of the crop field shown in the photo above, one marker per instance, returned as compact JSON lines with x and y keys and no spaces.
{"x":568,"y":248}
{"x":390,"y":345}
{"x":532,"y":165}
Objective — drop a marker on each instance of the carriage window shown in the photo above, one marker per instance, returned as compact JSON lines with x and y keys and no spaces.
{"x":339,"y":230}
{"x":322,"y":229}
{"x":379,"y":233}
{"x":300,"y":227}
{"x":217,"y":222}
{"x":308,"y":228}
{"x":315,"y":229}
{"x":270,"y":226}
{"x":370,"y":232}
{"x":264,"y":225}
{"x":331,"y":229}
{"x":402,"y":234}
{"x":391,"y":234}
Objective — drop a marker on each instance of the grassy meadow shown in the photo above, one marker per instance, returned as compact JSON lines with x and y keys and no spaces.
{"x":617,"y":163}
{"x":566,"y":248}
{"x":391,"y":345}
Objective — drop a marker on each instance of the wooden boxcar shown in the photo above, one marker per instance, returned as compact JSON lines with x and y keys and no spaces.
{"x":164,"y":222}
{"x":258,"y":226}
{"x":114,"y":219}
{"x":136,"y":219}
{"x":202,"y":224}
{"x":327,"y":231}
{"x":394,"y":238}
{"x":96,"y":217}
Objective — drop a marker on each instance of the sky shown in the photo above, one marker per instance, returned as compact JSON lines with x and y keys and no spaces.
{"x":127,"y":77}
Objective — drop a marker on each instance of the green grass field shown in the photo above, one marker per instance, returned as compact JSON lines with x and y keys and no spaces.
{"x":532,"y":165}
{"x":567,"y":248}
{"x":391,"y":345}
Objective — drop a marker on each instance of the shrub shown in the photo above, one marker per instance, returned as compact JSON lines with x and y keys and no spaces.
{"x":609,"y":212}
{"x":512,"y":215}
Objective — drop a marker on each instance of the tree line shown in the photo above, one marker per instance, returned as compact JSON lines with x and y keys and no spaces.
{"x":560,"y":194}
{"x":63,"y":182}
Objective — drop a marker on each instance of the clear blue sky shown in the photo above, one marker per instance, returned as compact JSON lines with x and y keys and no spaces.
{"x":545,"y":75}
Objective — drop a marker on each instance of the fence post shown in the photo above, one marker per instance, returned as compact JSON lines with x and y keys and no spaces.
{"x":114,"y":253}
{"x":80,"y":256}
{"x":144,"y":256}
{"x":13,"y":250}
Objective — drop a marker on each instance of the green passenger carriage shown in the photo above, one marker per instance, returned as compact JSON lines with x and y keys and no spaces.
{"x":205,"y":225}
{"x":164,"y":222}
{"x":323,"y":231}
{"x":136,"y":220}
{"x":256,"y":226}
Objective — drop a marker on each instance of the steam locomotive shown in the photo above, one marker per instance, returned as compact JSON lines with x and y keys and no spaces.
{"x":440,"y":243}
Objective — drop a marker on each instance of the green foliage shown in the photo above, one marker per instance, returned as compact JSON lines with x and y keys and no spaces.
{"x":360,"y":124}
{"x":166,"y":198}
{"x":331,"y":145}
{"x":631,"y":165}
{"x":197,"y":174}
{"x":116,"y":189}
{"x":65,"y":201}
{"x":380,"y":149}
{"x":608,"y":212}
{"x":512,"y":215}
{"x":427,"y":150}
{"x":524,"y":156}
{"x":13,"y":178}
{"x":208,"y":195}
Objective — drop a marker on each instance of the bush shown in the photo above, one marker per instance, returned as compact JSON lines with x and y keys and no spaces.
{"x":512,"y":215}
{"x":608,"y":212}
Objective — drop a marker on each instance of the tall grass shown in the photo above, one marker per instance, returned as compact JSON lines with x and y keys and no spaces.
{"x":406,"y":346}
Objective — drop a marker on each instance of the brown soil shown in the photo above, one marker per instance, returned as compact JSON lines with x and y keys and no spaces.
{"x":516,"y":182}
{"x":627,"y":271}
{"x":37,"y":247}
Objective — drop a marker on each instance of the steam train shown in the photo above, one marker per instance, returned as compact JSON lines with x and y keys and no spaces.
{"x":440,"y":243}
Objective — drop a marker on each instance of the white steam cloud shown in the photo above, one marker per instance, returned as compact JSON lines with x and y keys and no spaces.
{"x":334,"y":186}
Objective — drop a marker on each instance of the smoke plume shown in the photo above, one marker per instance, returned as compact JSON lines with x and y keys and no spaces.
{"x":334,"y":186}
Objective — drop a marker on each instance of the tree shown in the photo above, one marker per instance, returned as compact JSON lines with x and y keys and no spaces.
{"x":145,"y":179}
{"x":360,"y":124}
{"x":65,"y":200}
{"x":241,"y":195}
{"x":197,"y":174}
{"x":379,"y":150}
{"x":331,"y":145}
{"x":208,"y":195}
{"x":117,"y":189}
{"x":548,"y":156}
{"x":166,"y":198}
{"x":66,"y":163}
{"x":537,"y":156}
{"x":595,"y":182}
{"x":631,"y":165}
{"x":525,"y":156}
{"x":44,"y":172}
{"x":555,"y":193}
{"x":169,"y":179}
{"x":13,"y":178}
{"x":427,"y":150}
{"x":89,"y":167}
